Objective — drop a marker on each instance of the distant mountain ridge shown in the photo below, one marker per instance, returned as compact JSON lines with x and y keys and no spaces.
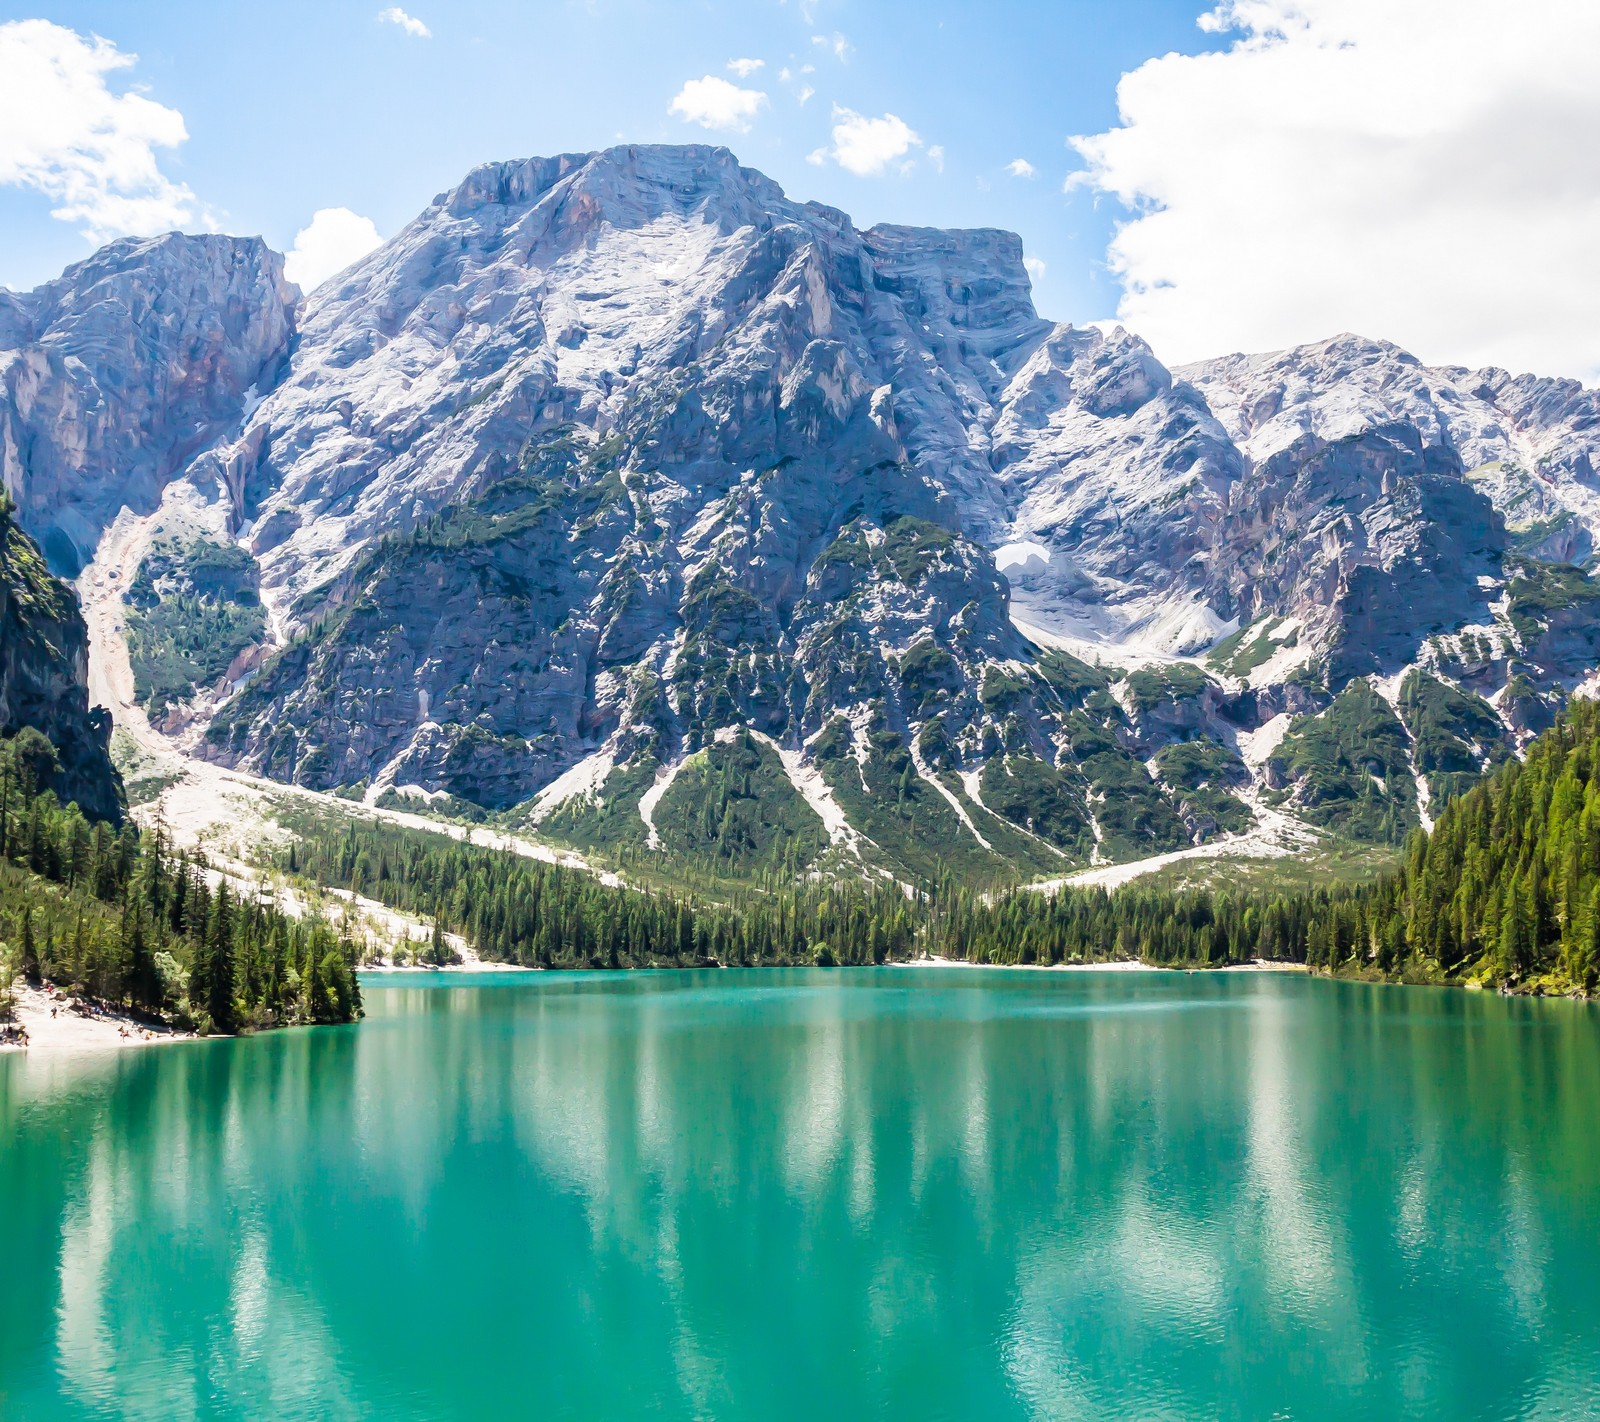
{"x":619,"y":480}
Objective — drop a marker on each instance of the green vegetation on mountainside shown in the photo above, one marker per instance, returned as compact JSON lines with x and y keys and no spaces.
{"x":732,"y":805}
{"x":191,"y":610}
{"x":606,"y":818}
{"x":1457,"y":735}
{"x":1040,"y":799}
{"x":1203,"y":774}
{"x":32,"y":591}
{"x":1150,"y":687}
{"x":43,"y":649}
{"x":1540,"y":590}
{"x":1250,"y":647}
{"x":911,"y":823}
{"x":1135,"y":818}
{"x":1076,"y":682}
{"x":1348,"y":769}
{"x":907,"y":550}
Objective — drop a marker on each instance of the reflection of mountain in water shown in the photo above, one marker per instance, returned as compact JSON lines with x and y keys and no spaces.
{"x":905,"y":1193}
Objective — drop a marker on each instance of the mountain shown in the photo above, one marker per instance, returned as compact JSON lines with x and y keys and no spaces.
{"x":117,"y":374}
{"x":43,"y":668}
{"x":623,"y":496}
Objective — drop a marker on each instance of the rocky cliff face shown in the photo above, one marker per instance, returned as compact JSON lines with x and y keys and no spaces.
{"x":116,"y":375}
{"x":657,"y":425}
{"x":609,"y":458}
{"x":43,"y":674}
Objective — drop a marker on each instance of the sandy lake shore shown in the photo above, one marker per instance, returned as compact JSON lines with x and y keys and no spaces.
{"x":474,"y":965}
{"x":55,"y":1021}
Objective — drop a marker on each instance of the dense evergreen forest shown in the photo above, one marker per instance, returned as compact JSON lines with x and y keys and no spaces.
{"x":517,"y":910}
{"x":119,"y":919}
{"x":523,"y":911}
{"x":1505,"y":891}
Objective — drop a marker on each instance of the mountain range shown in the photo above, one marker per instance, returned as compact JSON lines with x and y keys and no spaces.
{"x":624,"y":500}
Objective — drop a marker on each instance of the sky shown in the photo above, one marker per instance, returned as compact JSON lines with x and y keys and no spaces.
{"x":1242,"y":176}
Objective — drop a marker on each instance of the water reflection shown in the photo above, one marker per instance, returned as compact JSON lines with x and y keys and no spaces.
{"x":902,"y":1193}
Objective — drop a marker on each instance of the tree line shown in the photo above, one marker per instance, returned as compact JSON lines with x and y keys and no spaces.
{"x":1504,"y":891}
{"x":119,"y":918}
{"x":525,"y":911}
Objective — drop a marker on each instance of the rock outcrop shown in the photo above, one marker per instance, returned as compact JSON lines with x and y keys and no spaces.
{"x":44,"y":663}
{"x":117,"y":374}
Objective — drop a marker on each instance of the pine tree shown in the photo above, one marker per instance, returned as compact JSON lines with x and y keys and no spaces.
{"x":30,"y":950}
{"x":221,"y":964}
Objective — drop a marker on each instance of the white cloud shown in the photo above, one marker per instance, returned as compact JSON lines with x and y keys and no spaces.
{"x":90,"y":151}
{"x":785,"y":75}
{"x":1021,"y":168}
{"x":744,"y":68}
{"x":333,"y":239}
{"x":836,"y":43}
{"x":936,"y":157}
{"x":414,"y":27}
{"x":715,"y":103}
{"x":1036,"y":267}
{"x":1427,"y":172}
{"x":867,"y":146}
{"x":805,"y":94}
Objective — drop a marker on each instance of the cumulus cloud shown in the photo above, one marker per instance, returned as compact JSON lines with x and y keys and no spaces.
{"x":414,"y":27}
{"x":715,"y":103}
{"x":1036,"y":267}
{"x":1428,"y":172}
{"x":1021,"y":168}
{"x":91,"y":151}
{"x":836,"y":43}
{"x":333,"y":239}
{"x":744,"y":68}
{"x":936,"y":157}
{"x":867,"y":146}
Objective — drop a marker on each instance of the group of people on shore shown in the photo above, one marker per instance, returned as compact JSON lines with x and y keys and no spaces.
{"x":14,"y":1032}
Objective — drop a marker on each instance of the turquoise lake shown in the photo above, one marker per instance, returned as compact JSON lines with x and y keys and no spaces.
{"x":903,"y":1193}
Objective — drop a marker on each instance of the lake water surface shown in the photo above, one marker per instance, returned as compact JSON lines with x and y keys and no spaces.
{"x":907,"y":1193}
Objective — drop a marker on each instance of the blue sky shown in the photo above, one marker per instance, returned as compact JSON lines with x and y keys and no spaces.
{"x":1251,"y":174}
{"x":296,"y":106}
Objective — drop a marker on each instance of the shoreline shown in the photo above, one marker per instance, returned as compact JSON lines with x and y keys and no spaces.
{"x":1111,"y":965}
{"x":1117,"y":965}
{"x":476,"y":966}
{"x":72,"y":1031}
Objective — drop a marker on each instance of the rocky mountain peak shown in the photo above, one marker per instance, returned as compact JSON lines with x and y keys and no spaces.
{"x":620,"y":180}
